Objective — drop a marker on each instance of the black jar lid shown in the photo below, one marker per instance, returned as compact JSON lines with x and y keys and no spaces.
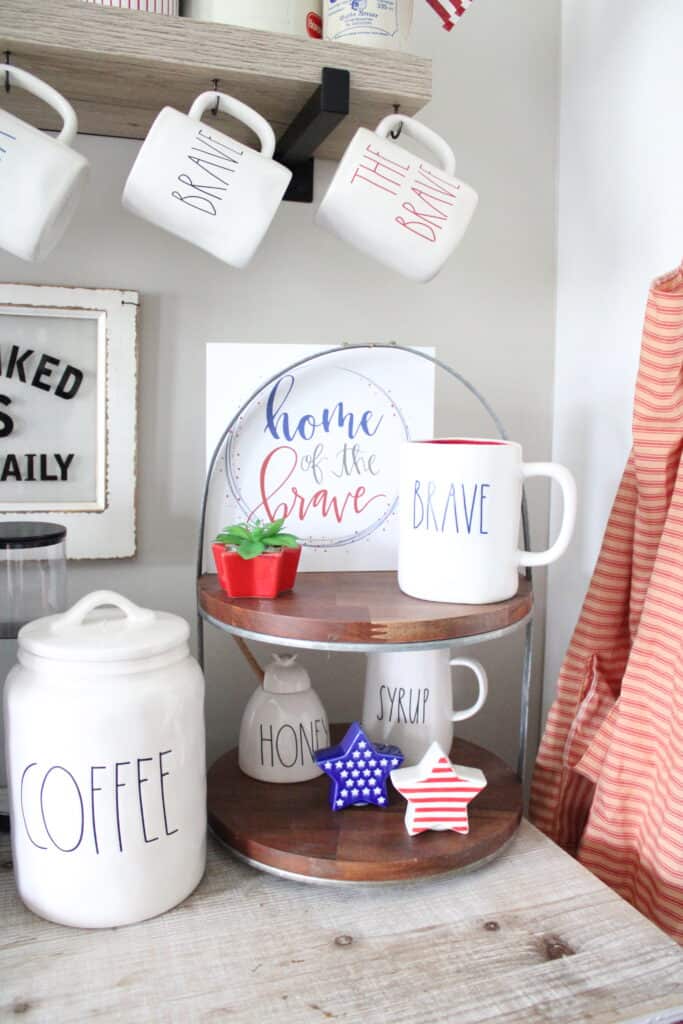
{"x":30,"y":535}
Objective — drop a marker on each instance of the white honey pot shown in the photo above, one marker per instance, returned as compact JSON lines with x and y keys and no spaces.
{"x":105,"y":754}
{"x":283,"y":724}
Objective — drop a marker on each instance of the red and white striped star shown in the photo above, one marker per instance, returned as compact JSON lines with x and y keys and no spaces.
{"x":438,"y":793}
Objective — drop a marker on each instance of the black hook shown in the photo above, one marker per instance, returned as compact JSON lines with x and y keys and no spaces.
{"x":8,"y":54}
{"x":396,"y":132}
{"x":218,"y":102}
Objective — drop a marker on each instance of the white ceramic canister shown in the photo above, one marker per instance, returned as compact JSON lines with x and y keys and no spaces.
{"x":381,"y":23}
{"x":293,"y":17}
{"x":283,"y":724}
{"x":105,"y":755}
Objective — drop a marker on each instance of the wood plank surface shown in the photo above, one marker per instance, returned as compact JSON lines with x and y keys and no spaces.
{"x":119,"y":68}
{"x":359,"y":607}
{"x":533,"y":937}
{"x":291,"y":827}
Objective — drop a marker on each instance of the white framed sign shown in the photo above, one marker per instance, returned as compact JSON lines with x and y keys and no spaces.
{"x":68,"y":413}
{"x":320,"y":445}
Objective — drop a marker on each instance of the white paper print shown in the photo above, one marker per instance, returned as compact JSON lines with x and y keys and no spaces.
{"x":319,"y":445}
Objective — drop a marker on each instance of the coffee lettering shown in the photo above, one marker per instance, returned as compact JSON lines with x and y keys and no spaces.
{"x":94,"y":789}
{"x":64,"y":849}
{"x":162,"y":776}
{"x":94,"y":801}
{"x":141,"y":760}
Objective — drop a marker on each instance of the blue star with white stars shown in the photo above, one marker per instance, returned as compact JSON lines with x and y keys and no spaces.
{"x":358,"y":769}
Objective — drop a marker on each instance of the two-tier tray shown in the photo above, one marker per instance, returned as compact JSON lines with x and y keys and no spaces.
{"x":289,"y":829}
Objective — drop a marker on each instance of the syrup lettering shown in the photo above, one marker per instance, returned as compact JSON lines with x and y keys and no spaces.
{"x":402,"y":704}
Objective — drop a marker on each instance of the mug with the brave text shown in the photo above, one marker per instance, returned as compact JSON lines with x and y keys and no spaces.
{"x":459,"y":516}
{"x":400,"y":209}
{"x":204,"y":186}
{"x":41,"y":178}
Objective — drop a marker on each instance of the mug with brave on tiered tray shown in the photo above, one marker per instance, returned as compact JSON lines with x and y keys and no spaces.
{"x":400,"y":209}
{"x":41,"y":178}
{"x":204,"y":186}
{"x":459,"y":515}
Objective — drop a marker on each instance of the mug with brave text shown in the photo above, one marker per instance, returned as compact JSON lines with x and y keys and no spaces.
{"x":205,"y":187}
{"x":409,"y":699}
{"x":41,"y":178}
{"x":398,"y":208}
{"x":459,"y":515}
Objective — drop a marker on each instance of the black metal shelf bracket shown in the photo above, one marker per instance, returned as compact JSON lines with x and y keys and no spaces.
{"x":328,"y":105}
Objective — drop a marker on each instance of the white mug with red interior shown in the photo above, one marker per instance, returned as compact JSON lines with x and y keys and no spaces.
{"x":41,"y":177}
{"x":404,"y":211}
{"x":459,"y":517}
{"x":203,"y":186}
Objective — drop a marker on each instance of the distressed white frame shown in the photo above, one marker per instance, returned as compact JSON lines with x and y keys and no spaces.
{"x":105,"y":527}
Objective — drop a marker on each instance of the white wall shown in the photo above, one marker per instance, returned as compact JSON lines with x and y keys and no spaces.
{"x":620,"y":225}
{"x":491,"y":314}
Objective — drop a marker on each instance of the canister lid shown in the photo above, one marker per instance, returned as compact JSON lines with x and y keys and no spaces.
{"x":89,"y":634}
{"x":30,"y":535}
{"x":285,"y":675}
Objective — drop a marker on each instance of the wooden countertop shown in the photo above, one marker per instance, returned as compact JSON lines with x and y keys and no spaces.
{"x":531,"y":937}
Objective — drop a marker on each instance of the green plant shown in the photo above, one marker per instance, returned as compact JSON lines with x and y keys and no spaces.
{"x":252,"y":541}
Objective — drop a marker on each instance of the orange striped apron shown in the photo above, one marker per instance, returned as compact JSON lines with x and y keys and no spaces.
{"x":608,"y":782}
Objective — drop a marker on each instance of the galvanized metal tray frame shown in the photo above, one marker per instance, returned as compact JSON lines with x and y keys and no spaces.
{"x":527,"y":622}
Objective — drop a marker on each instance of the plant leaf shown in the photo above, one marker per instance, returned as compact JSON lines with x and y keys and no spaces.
{"x":272,"y":528}
{"x":283,"y":540}
{"x":236,"y":531}
{"x":250,"y":549}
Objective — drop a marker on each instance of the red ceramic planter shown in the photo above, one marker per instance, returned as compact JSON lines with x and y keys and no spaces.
{"x":266,"y":575}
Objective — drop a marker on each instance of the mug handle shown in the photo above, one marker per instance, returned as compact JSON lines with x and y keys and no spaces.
{"x":422,"y":134}
{"x":243,"y":113}
{"x":566,"y":481}
{"x":50,"y":96}
{"x":87,"y":604}
{"x":482,"y":680}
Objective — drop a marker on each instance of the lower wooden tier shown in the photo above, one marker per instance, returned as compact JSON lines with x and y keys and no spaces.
{"x":291,"y":830}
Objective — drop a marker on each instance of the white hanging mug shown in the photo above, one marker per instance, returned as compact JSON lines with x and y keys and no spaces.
{"x":203,"y":186}
{"x":402,"y":210}
{"x":459,"y":515}
{"x":408,"y":699}
{"x":41,"y":178}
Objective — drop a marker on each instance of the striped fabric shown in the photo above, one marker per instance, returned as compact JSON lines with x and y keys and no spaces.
{"x":608,"y":784}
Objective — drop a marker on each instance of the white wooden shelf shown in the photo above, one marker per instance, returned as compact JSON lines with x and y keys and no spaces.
{"x":119,"y":68}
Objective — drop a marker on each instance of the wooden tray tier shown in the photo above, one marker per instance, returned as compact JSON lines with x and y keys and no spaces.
{"x":358,"y":608}
{"x":290,"y":829}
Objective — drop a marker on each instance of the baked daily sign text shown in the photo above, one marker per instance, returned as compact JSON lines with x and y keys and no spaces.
{"x":98,"y":807}
{"x":48,"y":374}
{"x":212,"y":162}
{"x":432,"y":197}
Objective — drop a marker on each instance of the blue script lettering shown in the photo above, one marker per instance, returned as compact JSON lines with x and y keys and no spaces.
{"x":460,"y":510}
{"x":279,"y":425}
